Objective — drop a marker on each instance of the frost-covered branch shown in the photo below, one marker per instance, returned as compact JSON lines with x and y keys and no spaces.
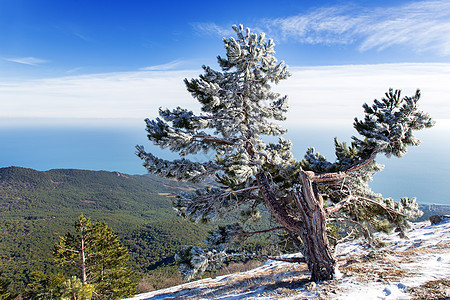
{"x":360,"y":164}
{"x":349,"y":236}
{"x":389,"y":210}
{"x":338,"y":206}
{"x":335,"y":176}
{"x":194,"y":261}
{"x":208,"y":138}
{"x":275,"y":205}
{"x":358,"y":224}
{"x":326,"y":177}
{"x":184,"y":141}
{"x":209,"y":203}
{"x":259,"y":256}
{"x":181,"y":169}
{"x":388,"y":124}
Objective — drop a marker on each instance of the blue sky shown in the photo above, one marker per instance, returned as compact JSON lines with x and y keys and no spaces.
{"x":77,"y":78}
{"x":55,"y":38}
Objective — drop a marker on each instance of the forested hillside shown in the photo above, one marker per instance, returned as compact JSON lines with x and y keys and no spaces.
{"x":37,"y":207}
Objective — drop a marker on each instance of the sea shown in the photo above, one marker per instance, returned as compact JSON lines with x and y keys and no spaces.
{"x":423,"y":172}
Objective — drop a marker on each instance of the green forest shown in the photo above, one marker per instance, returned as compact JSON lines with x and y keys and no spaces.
{"x":36,"y":207}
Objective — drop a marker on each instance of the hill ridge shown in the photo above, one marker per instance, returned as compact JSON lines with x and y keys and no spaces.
{"x":36,"y":207}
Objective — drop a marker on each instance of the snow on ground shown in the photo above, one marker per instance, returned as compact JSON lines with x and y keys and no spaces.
{"x":414,"y":268}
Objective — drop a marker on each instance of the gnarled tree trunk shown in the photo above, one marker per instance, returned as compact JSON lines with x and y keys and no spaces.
{"x":311,"y":229}
{"x":316,"y":251}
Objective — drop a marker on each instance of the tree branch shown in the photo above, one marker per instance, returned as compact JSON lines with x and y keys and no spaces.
{"x":361,"y":164}
{"x":332,"y":209}
{"x":214,"y":118}
{"x":70,"y":250}
{"x":275,"y":206}
{"x":228,"y":193}
{"x":367,"y":232}
{"x":349,"y":198}
{"x":68,"y":260}
{"x":264,"y":257}
{"x":388,"y":209}
{"x":260,"y":231}
{"x":327,"y":177}
{"x":210,"y":138}
{"x":344,"y":239}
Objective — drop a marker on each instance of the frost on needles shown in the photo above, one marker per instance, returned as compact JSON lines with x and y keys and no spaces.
{"x":314,"y":203}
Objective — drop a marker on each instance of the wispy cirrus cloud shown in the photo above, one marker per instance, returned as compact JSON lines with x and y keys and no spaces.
{"x":327,"y":25}
{"x":31,"y":61}
{"x":212,"y":29}
{"x":165,"y":67}
{"x":421,"y":26}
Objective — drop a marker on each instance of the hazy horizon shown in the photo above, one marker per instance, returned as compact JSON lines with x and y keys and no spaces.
{"x":421,"y":173}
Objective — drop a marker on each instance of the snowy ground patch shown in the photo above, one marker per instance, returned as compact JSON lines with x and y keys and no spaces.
{"x":414,"y":268}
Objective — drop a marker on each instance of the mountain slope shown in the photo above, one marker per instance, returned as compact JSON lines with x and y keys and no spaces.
{"x":414,"y":268}
{"x":27,"y":191}
{"x":37,"y":207}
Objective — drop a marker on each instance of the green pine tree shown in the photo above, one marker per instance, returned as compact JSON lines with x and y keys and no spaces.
{"x":308,"y":198}
{"x":98,"y":256}
{"x":74,"y":289}
{"x":44,"y":286}
{"x":5,"y":294}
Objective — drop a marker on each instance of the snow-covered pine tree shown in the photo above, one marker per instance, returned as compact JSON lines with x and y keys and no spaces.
{"x":306,"y":198}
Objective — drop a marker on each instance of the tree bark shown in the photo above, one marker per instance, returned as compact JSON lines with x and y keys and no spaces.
{"x":314,"y":236}
{"x":83,"y":257}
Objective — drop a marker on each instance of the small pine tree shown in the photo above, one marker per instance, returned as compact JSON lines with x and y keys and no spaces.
{"x":101,"y":260}
{"x":5,"y":294}
{"x":44,"y":286}
{"x":74,"y":289}
{"x":306,"y":198}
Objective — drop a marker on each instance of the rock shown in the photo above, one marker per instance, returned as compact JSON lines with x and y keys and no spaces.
{"x":436,"y":219}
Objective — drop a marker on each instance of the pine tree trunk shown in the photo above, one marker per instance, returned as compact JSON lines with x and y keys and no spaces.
{"x":311,"y":229}
{"x":314,"y":236}
{"x":83,"y":259}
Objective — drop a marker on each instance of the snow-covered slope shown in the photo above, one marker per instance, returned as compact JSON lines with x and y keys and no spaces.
{"x":414,"y":268}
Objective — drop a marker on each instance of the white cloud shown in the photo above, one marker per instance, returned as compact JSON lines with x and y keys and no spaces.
{"x":212,"y":29}
{"x":128,"y":95}
{"x":317,"y":95}
{"x":165,"y":67}
{"x":31,"y":61}
{"x":322,"y":26}
{"x":329,"y":94}
{"x":420,"y":26}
